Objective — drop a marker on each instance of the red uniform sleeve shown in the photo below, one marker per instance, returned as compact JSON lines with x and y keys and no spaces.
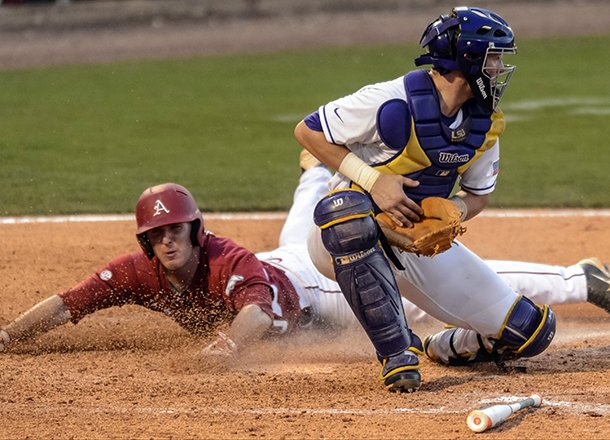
{"x":120,"y":282}
{"x":240,"y":275}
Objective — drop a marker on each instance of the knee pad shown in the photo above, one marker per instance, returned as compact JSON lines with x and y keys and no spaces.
{"x":346,"y":220}
{"x":350,"y":234}
{"x":528,"y":330}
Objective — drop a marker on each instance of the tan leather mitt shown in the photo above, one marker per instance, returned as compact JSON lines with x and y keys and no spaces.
{"x":433,"y":234}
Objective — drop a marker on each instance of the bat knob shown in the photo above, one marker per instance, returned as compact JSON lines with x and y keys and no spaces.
{"x":537,"y":399}
{"x":478,"y":421}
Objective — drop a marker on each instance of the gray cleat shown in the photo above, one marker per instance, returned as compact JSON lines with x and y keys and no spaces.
{"x":598,"y":282}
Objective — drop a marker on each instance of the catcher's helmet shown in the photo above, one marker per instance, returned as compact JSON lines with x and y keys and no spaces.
{"x":164,"y":205}
{"x":464,"y":40}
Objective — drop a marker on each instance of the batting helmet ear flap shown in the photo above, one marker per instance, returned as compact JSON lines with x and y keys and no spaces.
{"x":146,"y":245}
{"x":197,"y":233}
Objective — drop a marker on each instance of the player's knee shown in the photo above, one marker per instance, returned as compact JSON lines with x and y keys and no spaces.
{"x":346,"y":220}
{"x":529,"y":328}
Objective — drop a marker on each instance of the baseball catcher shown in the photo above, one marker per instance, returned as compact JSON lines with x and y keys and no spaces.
{"x":399,"y":147}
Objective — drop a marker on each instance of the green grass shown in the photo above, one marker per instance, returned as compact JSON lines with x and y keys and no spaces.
{"x":89,"y":139}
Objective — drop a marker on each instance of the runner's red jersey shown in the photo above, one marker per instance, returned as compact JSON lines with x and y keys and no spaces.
{"x":228,"y":278}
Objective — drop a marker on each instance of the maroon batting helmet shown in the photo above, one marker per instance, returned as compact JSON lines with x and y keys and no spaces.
{"x":164,"y":205}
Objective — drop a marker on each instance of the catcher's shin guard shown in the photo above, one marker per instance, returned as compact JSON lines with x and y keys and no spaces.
{"x":350,"y":234}
{"x":528,"y":330}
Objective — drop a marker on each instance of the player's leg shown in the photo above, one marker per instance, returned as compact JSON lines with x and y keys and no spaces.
{"x":313,"y":185}
{"x":349,"y":233}
{"x":528,"y":331}
{"x":588,"y":280}
{"x":458,"y":288}
{"x":543,"y":284}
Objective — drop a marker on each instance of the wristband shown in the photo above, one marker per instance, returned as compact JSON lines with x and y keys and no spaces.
{"x":358,"y":171}
{"x":461,"y":205}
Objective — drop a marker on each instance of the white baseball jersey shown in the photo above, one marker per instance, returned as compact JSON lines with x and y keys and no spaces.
{"x":351,"y":121}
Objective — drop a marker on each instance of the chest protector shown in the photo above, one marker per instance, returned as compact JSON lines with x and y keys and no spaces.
{"x":427,"y":149}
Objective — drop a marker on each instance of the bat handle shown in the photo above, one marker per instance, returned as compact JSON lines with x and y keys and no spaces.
{"x":532,"y":400}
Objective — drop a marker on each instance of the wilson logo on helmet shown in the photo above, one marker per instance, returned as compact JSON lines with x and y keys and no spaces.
{"x":159,"y":208}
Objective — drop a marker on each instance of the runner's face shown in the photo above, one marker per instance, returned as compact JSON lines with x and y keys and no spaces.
{"x":172,"y":245}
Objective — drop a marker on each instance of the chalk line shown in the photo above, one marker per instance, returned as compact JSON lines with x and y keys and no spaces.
{"x":571,"y":407}
{"x":236,"y":216}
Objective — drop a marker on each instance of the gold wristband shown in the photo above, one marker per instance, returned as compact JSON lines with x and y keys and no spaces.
{"x":358,"y":171}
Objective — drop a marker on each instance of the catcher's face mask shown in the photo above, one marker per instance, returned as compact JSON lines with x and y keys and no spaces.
{"x":465,"y":41}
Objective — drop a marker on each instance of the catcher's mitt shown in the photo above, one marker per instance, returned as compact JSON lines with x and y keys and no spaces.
{"x":439,"y":226}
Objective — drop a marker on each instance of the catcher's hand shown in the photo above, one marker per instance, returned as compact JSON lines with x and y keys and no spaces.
{"x":439,"y":226}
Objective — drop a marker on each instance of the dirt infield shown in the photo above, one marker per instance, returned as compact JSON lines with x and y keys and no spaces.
{"x":130,"y":373}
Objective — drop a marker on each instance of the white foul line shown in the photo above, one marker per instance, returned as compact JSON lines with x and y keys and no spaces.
{"x":235,"y":216}
{"x":572,"y":407}
{"x":599,"y":408}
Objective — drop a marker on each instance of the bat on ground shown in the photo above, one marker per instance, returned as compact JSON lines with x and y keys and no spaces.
{"x":486,"y":418}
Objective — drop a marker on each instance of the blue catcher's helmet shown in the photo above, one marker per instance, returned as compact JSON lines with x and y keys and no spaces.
{"x":473,"y":41}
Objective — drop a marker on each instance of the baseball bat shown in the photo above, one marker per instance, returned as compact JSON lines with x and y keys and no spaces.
{"x":486,"y":418}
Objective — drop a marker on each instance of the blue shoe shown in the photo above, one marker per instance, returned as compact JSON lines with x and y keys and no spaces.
{"x":400,"y":373}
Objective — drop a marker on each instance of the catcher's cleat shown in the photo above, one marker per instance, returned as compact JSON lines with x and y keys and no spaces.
{"x":308,"y":161}
{"x":400,"y":373}
{"x":598,"y":282}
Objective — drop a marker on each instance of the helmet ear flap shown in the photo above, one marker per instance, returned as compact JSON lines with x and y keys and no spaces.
{"x":146,"y":245}
{"x":196,"y":232}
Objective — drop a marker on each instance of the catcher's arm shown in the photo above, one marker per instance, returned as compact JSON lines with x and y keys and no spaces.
{"x":44,"y":316}
{"x":385,"y":189}
{"x":470,"y":205}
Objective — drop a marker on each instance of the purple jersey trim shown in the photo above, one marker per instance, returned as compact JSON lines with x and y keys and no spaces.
{"x":328,"y":127}
{"x":469,"y":189}
{"x":313,"y":121}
